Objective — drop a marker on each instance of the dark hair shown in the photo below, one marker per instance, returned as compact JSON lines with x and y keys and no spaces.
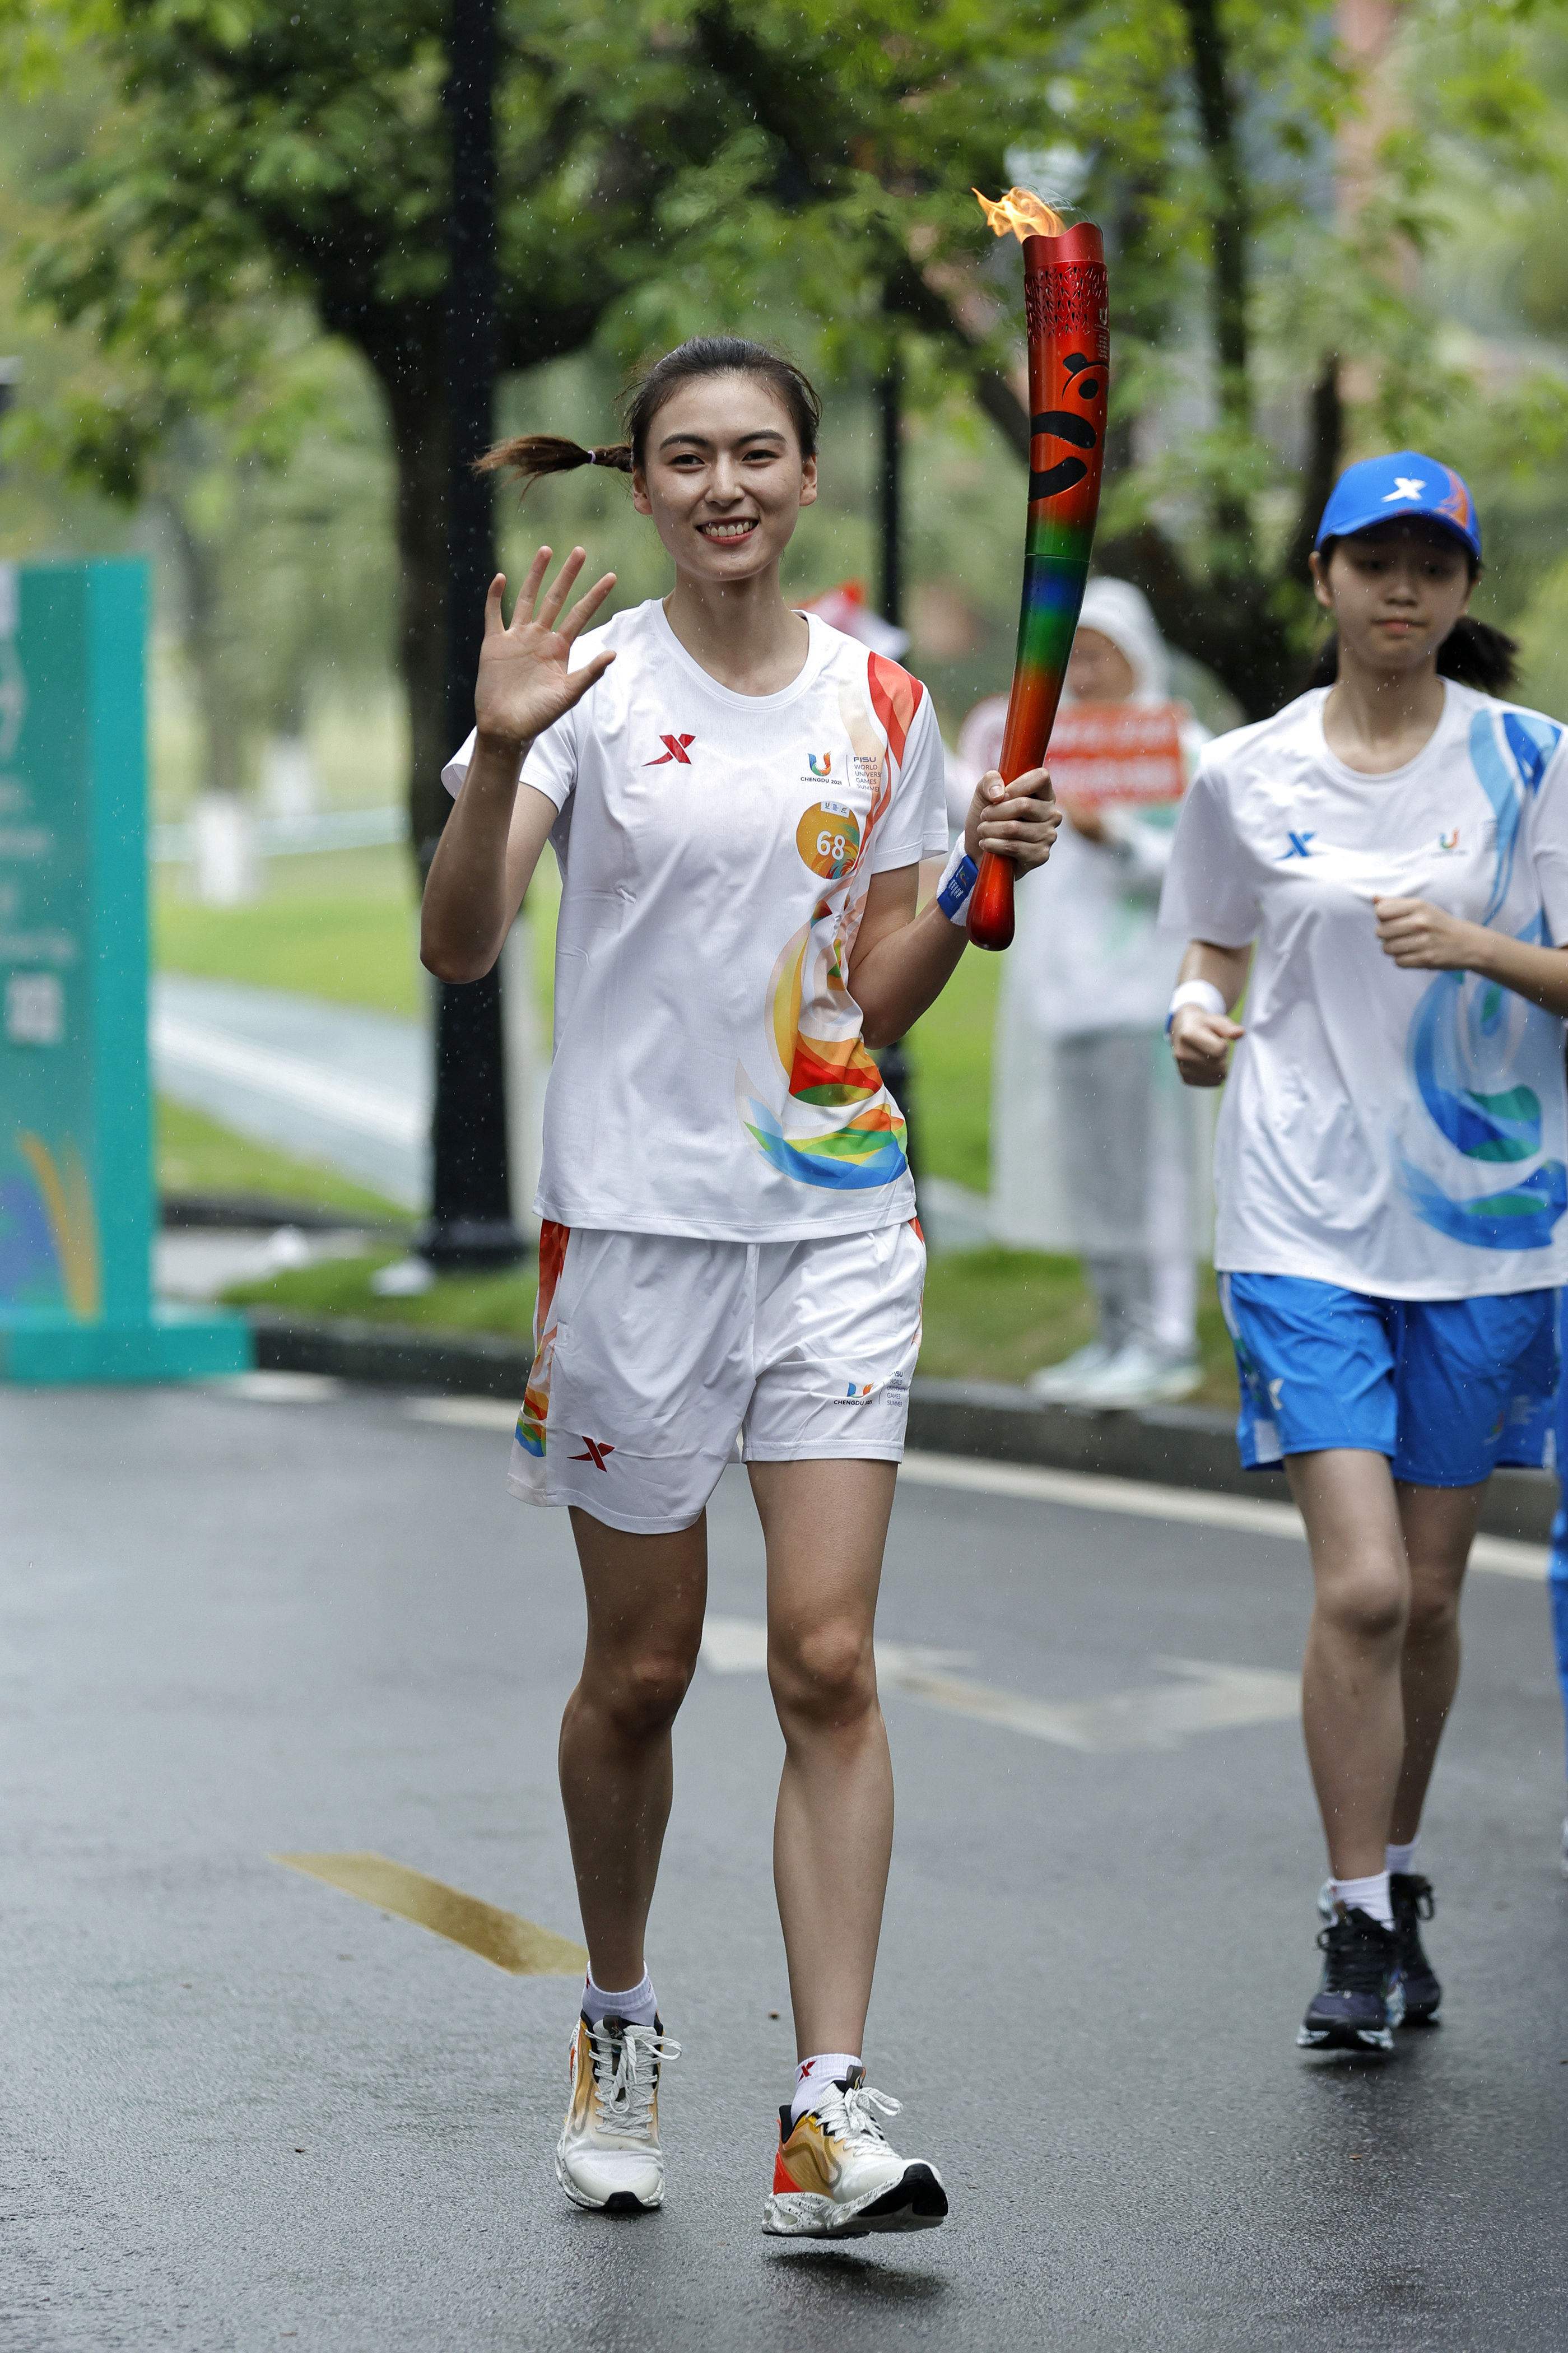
{"x":531,"y":455}
{"x":1472,"y":654}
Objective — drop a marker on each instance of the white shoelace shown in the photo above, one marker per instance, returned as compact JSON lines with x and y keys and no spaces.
{"x":859,"y":2127}
{"x":626,"y":2072}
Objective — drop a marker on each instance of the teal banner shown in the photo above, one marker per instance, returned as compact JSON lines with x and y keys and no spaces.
{"x":77,"y":1205}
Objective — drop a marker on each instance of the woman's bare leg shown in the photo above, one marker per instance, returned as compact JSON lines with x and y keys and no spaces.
{"x":1351,"y":1707}
{"x":1439,"y":1525}
{"x":825,"y":1524}
{"x":645,"y":1599}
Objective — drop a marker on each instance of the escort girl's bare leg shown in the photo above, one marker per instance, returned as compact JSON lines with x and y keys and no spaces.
{"x":825,"y":1524}
{"x":1439,"y":1525}
{"x":646,"y":1598}
{"x":1382,"y":1653}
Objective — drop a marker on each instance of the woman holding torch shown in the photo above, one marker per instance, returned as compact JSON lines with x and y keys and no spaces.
{"x":739,"y":799}
{"x":1389,"y":858}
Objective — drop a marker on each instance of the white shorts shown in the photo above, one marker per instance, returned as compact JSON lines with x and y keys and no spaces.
{"x":652,"y":1352}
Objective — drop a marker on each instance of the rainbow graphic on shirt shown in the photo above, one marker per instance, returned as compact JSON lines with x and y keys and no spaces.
{"x":828,"y":1120}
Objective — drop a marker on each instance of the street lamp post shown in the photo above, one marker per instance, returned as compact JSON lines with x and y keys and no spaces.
{"x":470,"y":1202}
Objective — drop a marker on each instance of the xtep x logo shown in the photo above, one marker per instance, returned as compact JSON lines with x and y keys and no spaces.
{"x":1298,"y":845}
{"x":674,"y":749}
{"x":1405,"y":486}
{"x":597,"y":1450}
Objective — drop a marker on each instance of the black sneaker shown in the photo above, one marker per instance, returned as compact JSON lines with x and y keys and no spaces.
{"x":1412,"y":1901}
{"x":1362,"y":1998}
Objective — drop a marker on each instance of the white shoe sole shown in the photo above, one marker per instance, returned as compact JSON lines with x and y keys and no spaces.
{"x":617,"y":2202}
{"x":916,"y":2202}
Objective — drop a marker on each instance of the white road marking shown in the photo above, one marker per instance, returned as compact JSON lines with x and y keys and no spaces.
{"x":382,"y":1111}
{"x":278,"y":1389}
{"x":1087,"y":1491}
{"x":464,"y":1412}
{"x":1207,"y":1697}
{"x":1083,"y":1491}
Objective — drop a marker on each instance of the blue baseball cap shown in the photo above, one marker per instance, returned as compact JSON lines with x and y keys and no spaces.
{"x":1381,"y":489}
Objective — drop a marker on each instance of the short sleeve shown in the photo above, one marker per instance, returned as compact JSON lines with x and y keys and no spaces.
{"x":551,"y":766}
{"x":1209,"y":893}
{"x":1548,"y":836}
{"x":915,"y":826}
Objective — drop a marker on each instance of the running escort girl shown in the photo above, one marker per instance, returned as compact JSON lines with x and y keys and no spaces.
{"x":1390,"y":1163}
{"x":740,"y":799}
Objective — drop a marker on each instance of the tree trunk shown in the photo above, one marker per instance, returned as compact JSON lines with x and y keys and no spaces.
{"x":1230,"y":226}
{"x":223,"y":741}
{"x":418,"y":417}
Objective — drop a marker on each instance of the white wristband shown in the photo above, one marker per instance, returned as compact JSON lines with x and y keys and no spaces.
{"x":1195,"y":992}
{"x":957,"y":885}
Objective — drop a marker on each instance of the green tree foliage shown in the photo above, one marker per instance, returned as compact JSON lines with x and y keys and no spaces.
{"x":666,"y":163}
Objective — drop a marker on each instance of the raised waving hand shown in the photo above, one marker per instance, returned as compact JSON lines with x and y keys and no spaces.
{"x":524,"y":685}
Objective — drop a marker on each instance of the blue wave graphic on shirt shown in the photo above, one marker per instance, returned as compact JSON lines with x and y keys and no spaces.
{"x":1524,"y":1218}
{"x":1532,"y":740}
{"x":1465,"y":1040}
{"x":1501,"y":785}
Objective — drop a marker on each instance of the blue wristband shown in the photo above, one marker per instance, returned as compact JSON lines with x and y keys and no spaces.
{"x":953,"y":896}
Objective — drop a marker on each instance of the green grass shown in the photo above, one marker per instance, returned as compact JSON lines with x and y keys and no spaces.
{"x":990,"y":1315}
{"x":196,"y":1155}
{"x":502,"y":1304}
{"x":949,"y":1049}
{"x":343,"y":925}
{"x":339,"y":926}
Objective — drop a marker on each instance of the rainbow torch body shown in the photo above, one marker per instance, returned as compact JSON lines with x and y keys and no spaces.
{"x":1065,"y":304}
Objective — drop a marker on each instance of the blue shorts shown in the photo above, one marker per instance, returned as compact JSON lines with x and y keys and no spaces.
{"x":1447,"y":1388}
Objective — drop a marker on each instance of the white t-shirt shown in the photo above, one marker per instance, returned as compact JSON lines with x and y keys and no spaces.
{"x":1398,"y":1133}
{"x":716,"y":850}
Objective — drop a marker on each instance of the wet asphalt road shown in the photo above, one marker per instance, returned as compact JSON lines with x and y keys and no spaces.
{"x":243,"y":2109}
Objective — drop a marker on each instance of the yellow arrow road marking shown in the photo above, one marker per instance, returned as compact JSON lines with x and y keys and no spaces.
{"x":511,"y":1943}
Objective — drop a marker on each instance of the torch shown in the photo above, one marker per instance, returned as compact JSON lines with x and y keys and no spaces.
{"x":1065,"y":309}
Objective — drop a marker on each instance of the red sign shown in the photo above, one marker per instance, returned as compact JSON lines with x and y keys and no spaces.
{"x":1117,"y":752}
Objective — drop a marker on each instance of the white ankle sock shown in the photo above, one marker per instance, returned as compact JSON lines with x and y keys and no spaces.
{"x":1365,"y":1895}
{"x":812,"y":2074}
{"x":637,"y":2005}
{"x":1402,"y":1858}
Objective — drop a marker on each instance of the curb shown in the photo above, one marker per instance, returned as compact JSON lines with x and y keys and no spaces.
{"x":1171,"y":1446}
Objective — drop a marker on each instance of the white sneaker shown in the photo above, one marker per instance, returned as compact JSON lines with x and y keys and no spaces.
{"x":835,"y":2176}
{"x":1138,"y":1375}
{"x":608,"y":2155}
{"x":1065,"y":1382}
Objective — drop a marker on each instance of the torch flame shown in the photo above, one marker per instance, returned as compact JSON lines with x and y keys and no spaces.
{"x":1021,"y":211}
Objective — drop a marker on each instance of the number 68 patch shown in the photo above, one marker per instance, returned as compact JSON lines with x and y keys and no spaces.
{"x":828,"y":839}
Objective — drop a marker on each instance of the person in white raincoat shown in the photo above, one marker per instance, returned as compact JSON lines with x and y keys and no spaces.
{"x":1094,"y":1148}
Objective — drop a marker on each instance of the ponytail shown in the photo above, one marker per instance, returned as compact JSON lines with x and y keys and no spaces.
{"x":531,"y":456}
{"x":1472,"y":654}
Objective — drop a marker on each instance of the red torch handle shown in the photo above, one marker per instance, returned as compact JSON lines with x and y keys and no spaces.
{"x":991,"y":920}
{"x":1069,"y":351}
